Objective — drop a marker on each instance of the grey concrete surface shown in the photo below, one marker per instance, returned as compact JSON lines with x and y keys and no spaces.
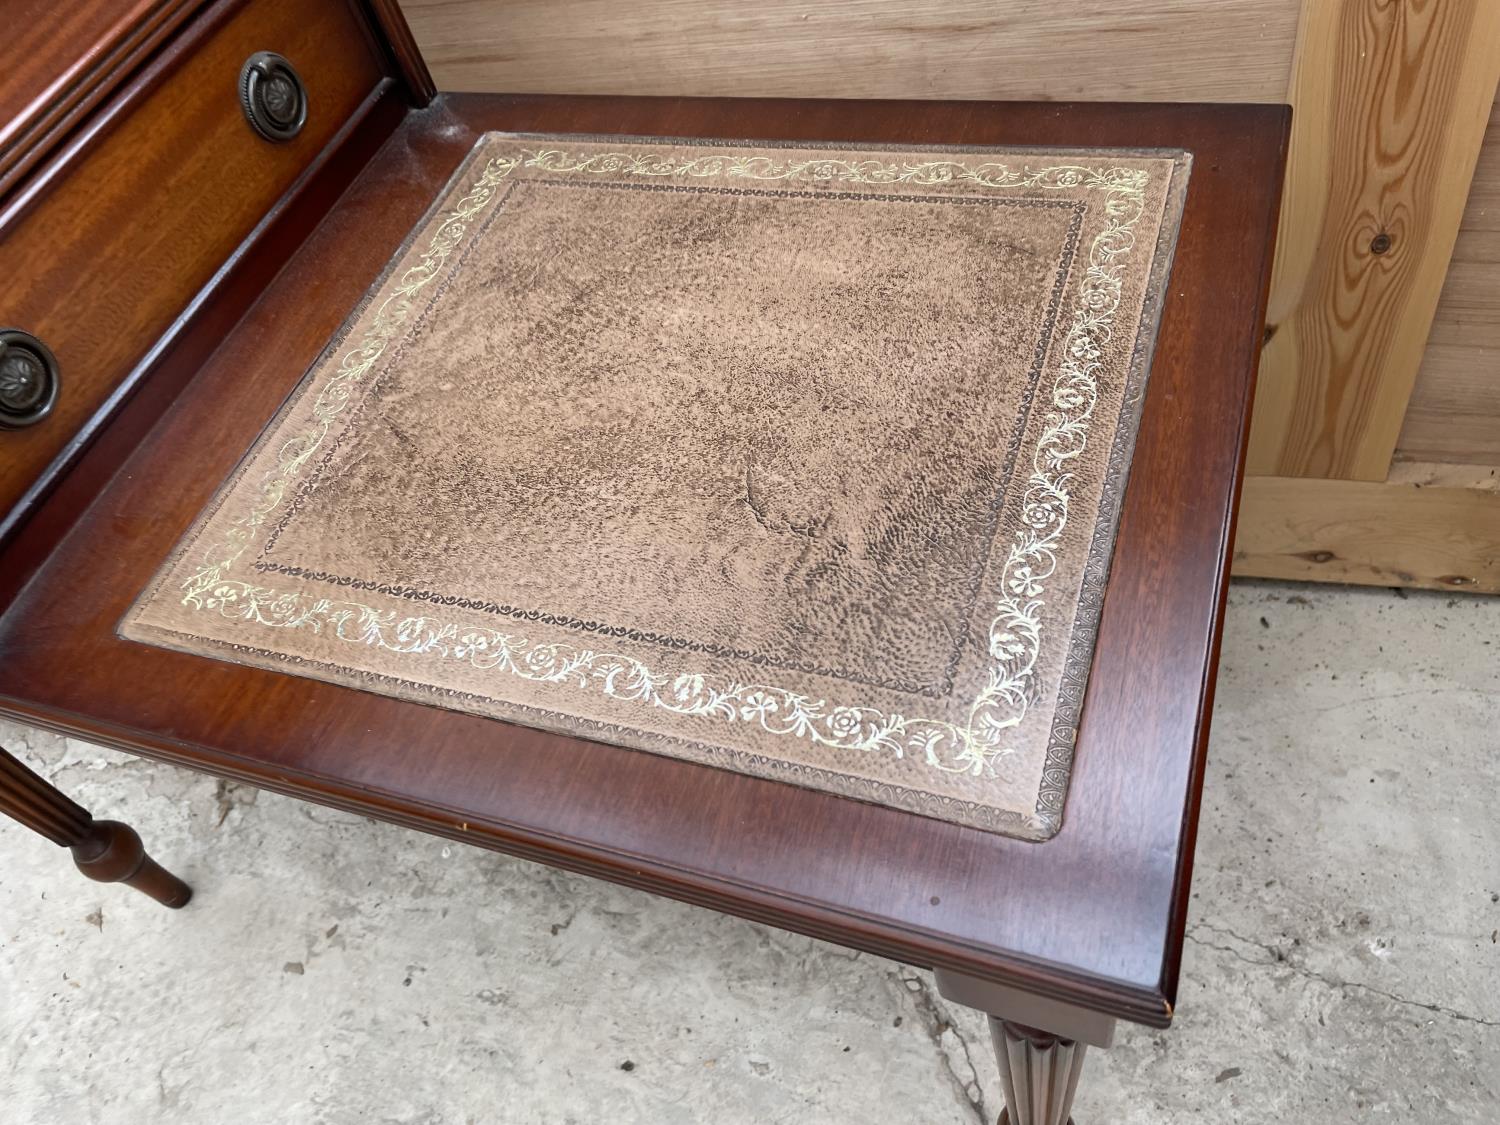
{"x":1343,"y":962}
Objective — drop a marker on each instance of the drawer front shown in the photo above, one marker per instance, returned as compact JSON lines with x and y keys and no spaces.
{"x":115,"y":245}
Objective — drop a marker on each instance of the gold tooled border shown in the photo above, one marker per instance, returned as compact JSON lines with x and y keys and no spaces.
{"x":1016,"y":630}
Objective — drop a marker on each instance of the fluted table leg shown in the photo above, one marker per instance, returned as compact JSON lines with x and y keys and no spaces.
{"x":104,"y":850}
{"x":1039,"y":1071}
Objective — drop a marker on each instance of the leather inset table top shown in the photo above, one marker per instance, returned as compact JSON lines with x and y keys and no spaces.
{"x":799,"y":461}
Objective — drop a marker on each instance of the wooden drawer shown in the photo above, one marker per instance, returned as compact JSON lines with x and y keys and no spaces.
{"x":108,"y":245}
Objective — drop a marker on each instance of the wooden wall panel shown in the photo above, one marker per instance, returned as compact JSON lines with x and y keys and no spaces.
{"x":1391,"y":105}
{"x":1454,"y":414}
{"x":1159,"y":50}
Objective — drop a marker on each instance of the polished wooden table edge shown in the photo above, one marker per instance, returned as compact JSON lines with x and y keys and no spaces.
{"x":754,"y":903}
{"x":464,"y":116}
{"x":1181,"y":896}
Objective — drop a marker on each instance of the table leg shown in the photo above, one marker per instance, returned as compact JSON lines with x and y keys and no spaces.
{"x":104,"y":850}
{"x":1039,"y":1069}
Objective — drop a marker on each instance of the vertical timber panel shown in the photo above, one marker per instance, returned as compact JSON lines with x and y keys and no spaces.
{"x":1391,"y":99}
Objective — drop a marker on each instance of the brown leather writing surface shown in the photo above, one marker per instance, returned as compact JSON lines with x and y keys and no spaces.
{"x":799,"y":461}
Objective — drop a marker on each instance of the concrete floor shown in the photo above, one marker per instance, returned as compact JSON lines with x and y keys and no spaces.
{"x":1343,"y":962}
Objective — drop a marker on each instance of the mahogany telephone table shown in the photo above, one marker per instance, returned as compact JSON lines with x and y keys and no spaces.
{"x":194,"y":196}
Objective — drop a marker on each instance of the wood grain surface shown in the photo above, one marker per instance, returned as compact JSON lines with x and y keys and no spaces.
{"x":1391,"y":105}
{"x":1429,"y":529}
{"x":62,"y":60}
{"x":1454,"y":413}
{"x":1445,"y":474}
{"x":1094,"y":917}
{"x":115,"y":241}
{"x":1163,"y":50}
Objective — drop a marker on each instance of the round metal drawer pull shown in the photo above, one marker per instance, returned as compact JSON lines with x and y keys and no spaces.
{"x":28,"y":379}
{"x":272,"y":96}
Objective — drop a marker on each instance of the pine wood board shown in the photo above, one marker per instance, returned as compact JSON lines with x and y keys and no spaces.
{"x":1391,"y":105}
{"x":1443,"y":474}
{"x":1373,"y":534}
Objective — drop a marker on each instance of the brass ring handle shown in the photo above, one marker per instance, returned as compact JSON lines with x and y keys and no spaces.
{"x":29,"y":381}
{"x":272,"y":96}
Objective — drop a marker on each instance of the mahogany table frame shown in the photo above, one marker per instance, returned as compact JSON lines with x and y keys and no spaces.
{"x":1069,"y":934}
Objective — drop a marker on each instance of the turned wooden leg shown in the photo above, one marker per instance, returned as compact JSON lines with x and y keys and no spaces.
{"x":105,"y":850}
{"x":1039,"y":1071}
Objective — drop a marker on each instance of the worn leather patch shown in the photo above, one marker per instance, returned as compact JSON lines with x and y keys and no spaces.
{"x":799,"y":461}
